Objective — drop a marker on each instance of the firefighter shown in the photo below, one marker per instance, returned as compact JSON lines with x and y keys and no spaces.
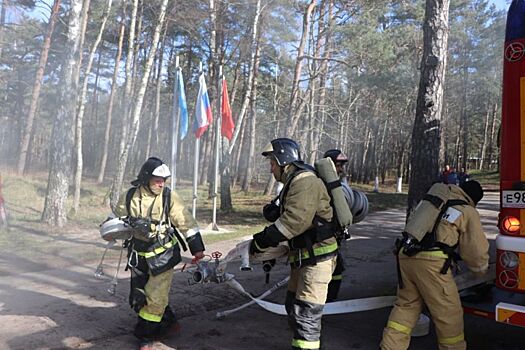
{"x":305,"y":222}
{"x":339,"y":159}
{"x":157,"y":216}
{"x":425,"y":276}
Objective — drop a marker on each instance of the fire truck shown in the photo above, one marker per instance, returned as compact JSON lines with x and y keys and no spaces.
{"x":505,"y":301}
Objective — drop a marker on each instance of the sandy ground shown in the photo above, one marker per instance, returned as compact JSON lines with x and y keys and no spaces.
{"x":51,"y":300}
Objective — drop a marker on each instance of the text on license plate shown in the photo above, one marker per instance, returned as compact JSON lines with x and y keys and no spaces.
{"x":513,"y":199}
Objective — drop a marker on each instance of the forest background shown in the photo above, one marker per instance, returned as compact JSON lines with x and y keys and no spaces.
{"x":328,"y":73}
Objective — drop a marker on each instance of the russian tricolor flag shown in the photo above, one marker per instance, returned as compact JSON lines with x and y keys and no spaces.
{"x":203,"y":115}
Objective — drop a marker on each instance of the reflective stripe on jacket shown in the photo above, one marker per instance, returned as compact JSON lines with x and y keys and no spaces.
{"x":305,"y":197}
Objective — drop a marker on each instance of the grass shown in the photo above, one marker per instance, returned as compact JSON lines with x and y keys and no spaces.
{"x":25,"y":198}
{"x":488,"y":179}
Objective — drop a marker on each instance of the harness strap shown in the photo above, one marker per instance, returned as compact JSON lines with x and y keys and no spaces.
{"x":398,"y":247}
{"x":434,"y":200}
{"x":452,"y":255}
{"x":450,"y":251}
{"x":166,"y":201}
{"x":333,"y":184}
{"x":129,"y":196}
{"x":429,"y":242}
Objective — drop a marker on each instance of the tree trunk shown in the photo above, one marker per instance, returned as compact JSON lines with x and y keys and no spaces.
{"x":464,"y":123}
{"x":135,"y":122}
{"x":492,"y":134}
{"x":294,"y":112}
{"x":151,"y":112}
{"x":363,"y":171}
{"x":270,"y":183}
{"x":380,"y":159}
{"x":426,"y":135}
{"x":93,"y":134}
{"x":247,"y":95}
{"x":136,"y":48}
{"x":156,"y":118}
{"x":457,"y":144}
{"x":28,"y":129}
{"x":3,"y":10}
{"x":485,"y":140}
{"x":128,"y":96}
{"x":213,"y":92}
{"x":206,"y":155}
{"x":81,"y":109}
{"x":114,"y":87}
{"x":237,"y":155}
{"x":253,"y":121}
{"x":323,"y":71}
{"x":235,"y":81}
{"x":229,"y":146}
{"x":62,"y":141}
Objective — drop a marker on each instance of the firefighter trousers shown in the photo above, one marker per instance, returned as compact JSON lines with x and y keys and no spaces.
{"x":156,"y":316}
{"x":305,"y":299}
{"x":424,"y":284}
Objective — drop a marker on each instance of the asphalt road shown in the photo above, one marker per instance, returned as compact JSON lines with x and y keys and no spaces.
{"x":63,"y":306}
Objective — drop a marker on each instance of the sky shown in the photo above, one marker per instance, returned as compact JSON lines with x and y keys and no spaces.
{"x":500,"y":4}
{"x":42,"y":11}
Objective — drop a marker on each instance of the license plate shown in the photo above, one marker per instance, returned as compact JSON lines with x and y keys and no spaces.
{"x":513,"y":199}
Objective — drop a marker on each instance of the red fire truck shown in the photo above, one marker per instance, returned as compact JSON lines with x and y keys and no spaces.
{"x":505,"y":302}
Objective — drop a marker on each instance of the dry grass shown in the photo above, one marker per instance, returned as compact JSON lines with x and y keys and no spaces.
{"x":25,"y":195}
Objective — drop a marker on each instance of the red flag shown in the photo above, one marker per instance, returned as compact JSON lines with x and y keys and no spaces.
{"x":227,"y":120}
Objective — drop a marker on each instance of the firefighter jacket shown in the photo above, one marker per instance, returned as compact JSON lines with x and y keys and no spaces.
{"x":461,"y":225}
{"x":303,"y":198}
{"x":145,"y":204}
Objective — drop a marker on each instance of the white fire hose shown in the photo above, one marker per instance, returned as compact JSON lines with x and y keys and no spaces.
{"x":339,"y":307}
{"x":333,"y":308}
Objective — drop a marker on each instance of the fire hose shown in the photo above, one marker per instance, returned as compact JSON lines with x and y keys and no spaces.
{"x":334,"y":308}
{"x":339,"y":307}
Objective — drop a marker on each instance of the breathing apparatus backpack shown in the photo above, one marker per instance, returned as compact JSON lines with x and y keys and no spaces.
{"x":420,"y":230}
{"x":342,"y":215}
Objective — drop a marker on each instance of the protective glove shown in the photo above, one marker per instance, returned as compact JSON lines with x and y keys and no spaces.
{"x":142,"y":228}
{"x":269,"y":237}
{"x":254,"y":249}
{"x":272,"y":211}
{"x":195,"y":243}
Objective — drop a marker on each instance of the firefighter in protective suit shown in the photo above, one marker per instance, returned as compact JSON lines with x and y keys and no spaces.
{"x":305,"y":223}
{"x":158,"y":217}
{"x":425,"y":276}
{"x":339,"y":159}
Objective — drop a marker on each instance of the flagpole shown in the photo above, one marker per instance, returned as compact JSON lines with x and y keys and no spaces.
{"x":196,"y":166}
{"x":217,"y":146}
{"x":195,"y":178}
{"x":175,"y":125}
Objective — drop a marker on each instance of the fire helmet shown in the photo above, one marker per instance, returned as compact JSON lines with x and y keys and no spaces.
{"x":473,"y":190}
{"x":336,"y":155}
{"x":283,"y":150}
{"x":152,"y":167}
